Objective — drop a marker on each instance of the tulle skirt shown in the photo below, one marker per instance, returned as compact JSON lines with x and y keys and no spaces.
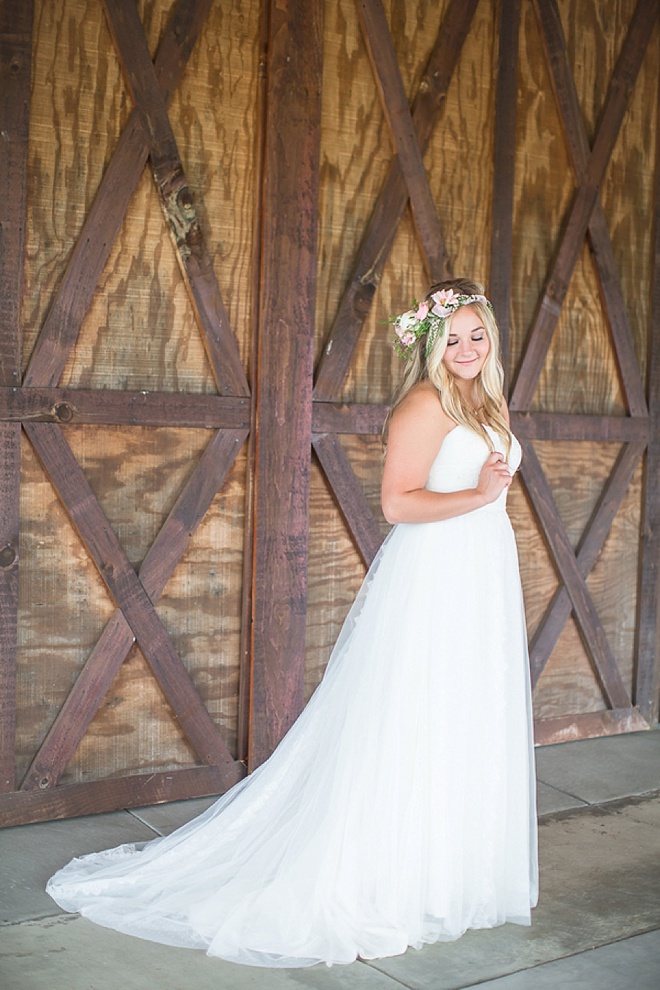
{"x":400,"y":807}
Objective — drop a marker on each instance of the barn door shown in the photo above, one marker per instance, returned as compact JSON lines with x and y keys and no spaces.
{"x":211,"y":210}
{"x":123,"y":631}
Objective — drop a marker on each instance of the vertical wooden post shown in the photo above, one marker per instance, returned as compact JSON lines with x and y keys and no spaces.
{"x":285,"y":368}
{"x":501,"y":247}
{"x":648,"y":632}
{"x":15,"y":67}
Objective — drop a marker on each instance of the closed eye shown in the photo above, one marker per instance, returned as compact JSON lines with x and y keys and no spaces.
{"x":476,"y":339}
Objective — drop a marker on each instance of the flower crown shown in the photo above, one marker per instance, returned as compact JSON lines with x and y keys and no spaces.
{"x":429,"y":318}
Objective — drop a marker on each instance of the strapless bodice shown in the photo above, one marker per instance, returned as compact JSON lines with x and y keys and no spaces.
{"x":461,"y":457}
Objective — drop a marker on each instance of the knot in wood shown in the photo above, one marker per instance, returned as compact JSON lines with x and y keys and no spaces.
{"x":63,"y":412}
{"x":7,"y":556}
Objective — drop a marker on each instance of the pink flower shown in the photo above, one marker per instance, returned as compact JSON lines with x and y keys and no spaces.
{"x":422,"y":311}
{"x":445,"y":302}
{"x":407,"y":338}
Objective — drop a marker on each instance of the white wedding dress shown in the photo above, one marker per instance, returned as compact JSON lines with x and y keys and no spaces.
{"x":400,"y":807}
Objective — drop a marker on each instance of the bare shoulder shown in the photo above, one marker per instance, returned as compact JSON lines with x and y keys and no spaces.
{"x":504,"y":409}
{"x":421,"y":401}
{"x":419,"y":422}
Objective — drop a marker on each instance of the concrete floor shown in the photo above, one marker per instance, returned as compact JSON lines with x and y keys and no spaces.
{"x":597,"y":924}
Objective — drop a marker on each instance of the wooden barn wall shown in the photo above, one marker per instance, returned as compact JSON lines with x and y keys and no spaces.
{"x":140,"y":333}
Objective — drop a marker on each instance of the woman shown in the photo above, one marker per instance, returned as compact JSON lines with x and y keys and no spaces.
{"x":399,"y":809}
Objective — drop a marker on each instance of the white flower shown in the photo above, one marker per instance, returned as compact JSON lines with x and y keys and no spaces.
{"x":406,"y":323}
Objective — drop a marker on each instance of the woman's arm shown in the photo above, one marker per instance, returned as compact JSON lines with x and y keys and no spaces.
{"x":417,"y":430}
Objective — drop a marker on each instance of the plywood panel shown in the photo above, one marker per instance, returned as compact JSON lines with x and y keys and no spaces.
{"x":335,"y":567}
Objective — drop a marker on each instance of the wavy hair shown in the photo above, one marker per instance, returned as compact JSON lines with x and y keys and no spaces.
{"x":490,"y":381}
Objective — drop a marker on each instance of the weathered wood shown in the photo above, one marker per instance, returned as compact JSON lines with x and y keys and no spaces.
{"x":579,"y":214}
{"x":285,"y":365}
{"x":176,"y":198}
{"x":335,"y":417}
{"x":15,"y":64}
{"x":245,"y":671}
{"x":349,"y":495}
{"x":389,"y":208}
{"x":94,"y":680}
{"x":569,"y":728}
{"x":647,"y":646}
{"x":92,"y":249}
{"x":127,"y":591}
{"x":395,"y":107}
{"x":578,"y":145}
{"x":114,"y":793}
{"x":10,"y":464}
{"x":573,"y":426}
{"x":106,"y":406}
{"x":557,"y":539}
{"x":501,"y":243}
{"x":559,"y":608}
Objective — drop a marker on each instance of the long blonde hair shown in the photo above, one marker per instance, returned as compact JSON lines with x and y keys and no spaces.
{"x":490,"y":382}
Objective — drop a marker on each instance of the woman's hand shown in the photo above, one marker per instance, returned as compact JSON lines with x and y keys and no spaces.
{"x":494,"y":477}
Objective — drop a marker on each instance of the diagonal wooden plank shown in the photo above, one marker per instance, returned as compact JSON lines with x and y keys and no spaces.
{"x":106,"y":214}
{"x":348,"y":492}
{"x":591,"y":542}
{"x":129,"y":594}
{"x":176,"y":198}
{"x":394,"y":101}
{"x":504,"y":172}
{"x":579,"y":215}
{"x":15,"y":71}
{"x":559,"y":545}
{"x":578,"y":146}
{"x":95,"y":679}
{"x":390,"y":205}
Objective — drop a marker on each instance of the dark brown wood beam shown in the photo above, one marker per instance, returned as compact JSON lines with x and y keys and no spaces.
{"x":102,"y":666}
{"x":579,"y":215}
{"x":114,"y":793}
{"x":289,"y":212}
{"x":379,"y":237}
{"x":591,"y":542}
{"x":563,"y":556}
{"x":647,"y":646}
{"x":569,"y":728}
{"x":16,"y":18}
{"x":118,"y":407}
{"x":349,"y":496}
{"x":339,"y":417}
{"x":501,"y":243}
{"x":575,"y":426}
{"x":106,"y":214}
{"x":578,"y":149}
{"x":127,"y":591}
{"x":394,"y":102}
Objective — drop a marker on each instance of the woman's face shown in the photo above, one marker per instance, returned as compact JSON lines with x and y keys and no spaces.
{"x":467,"y":345}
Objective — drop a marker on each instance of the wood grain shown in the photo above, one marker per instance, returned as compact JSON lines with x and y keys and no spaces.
{"x":15,"y":74}
{"x":284,"y":370}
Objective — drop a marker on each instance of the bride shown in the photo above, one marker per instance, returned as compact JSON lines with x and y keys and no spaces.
{"x":400,"y":807}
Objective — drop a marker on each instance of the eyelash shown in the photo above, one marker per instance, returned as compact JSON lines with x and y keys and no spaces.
{"x":450,"y":343}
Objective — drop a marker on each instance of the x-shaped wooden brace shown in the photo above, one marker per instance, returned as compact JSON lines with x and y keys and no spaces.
{"x":586,"y":215}
{"x":406,"y":180}
{"x":148,"y":133}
